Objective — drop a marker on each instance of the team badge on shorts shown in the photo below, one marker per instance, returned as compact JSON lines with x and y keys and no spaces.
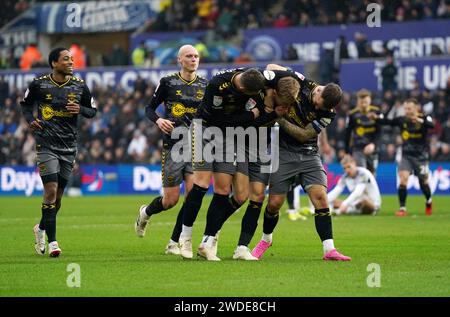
{"x":42,"y":168}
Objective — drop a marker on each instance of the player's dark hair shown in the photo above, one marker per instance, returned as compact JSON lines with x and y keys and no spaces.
{"x":54,"y":55}
{"x":252,"y":80}
{"x":332,"y":96}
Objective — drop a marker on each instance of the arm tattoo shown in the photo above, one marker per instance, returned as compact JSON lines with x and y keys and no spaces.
{"x":301,"y":134}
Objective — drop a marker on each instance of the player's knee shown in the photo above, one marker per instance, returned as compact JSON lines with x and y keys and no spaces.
{"x":221,"y":189}
{"x":274,"y":205}
{"x":423,"y":182}
{"x":319,"y":200}
{"x":50,"y":194}
{"x":169,"y":202}
{"x":259,"y":197}
{"x":240,"y":198}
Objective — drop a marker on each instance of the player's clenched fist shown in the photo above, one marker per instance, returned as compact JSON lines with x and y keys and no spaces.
{"x":165,"y":125}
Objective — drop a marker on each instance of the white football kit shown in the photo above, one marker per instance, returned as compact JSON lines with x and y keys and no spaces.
{"x":363,"y":186}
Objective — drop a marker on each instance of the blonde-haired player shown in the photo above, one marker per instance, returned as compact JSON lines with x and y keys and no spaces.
{"x":364,"y":196}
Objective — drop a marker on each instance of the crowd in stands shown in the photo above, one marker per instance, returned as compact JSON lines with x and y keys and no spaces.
{"x":120,"y":133}
{"x":11,"y":9}
{"x":227,"y":16}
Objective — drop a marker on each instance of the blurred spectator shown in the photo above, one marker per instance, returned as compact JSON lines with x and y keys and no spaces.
{"x":30,"y":57}
{"x":138,"y":147}
{"x":282,"y":21}
{"x":139,"y":54}
{"x":326,"y":66}
{"x":243,"y":58}
{"x":361,"y":45}
{"x":388,"y":74}
{"x":291,"y":53}
{"x":79,"y":56}
{"x":4,"y":91}
{"x":118,"y":56}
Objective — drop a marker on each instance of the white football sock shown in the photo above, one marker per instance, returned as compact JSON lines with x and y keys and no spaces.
{"x":267,"y":237}
{"x":144,"y":214}
{"x":186,"y":232}
{"x":291,"y":211}
{"x":328,"y":245}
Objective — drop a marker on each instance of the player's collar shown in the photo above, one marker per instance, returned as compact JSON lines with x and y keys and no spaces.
{"x":185,"y":81}
{"x":56,"y":84}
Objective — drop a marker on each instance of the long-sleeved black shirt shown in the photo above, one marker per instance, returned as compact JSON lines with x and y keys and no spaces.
{"x":59,"y":133}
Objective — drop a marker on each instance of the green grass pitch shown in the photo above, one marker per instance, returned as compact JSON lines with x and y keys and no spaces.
{"x":97,"y":233}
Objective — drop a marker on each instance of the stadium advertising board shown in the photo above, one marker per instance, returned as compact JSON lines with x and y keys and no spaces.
{"x":146,"y":179}
{"x":125,"y":76}
{"x":406,"y":39}
{"x":93,"y":16}
{"x":431,"y":73}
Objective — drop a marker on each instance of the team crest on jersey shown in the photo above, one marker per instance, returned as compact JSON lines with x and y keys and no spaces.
{"x":200,"y":94}
{"x":217,"y":101}
{"x":251,"y":103}
{"x":360,"y":131}
{"x":405,"y":135}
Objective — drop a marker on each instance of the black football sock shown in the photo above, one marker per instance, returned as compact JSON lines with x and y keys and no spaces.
{"x":323,"y":223}
{"x":192,"y":204}
{"x":155,"y":207}
{"x":249,"y":222}
{"x":216,"y":213}
{"x":270,"y":222}
{"x":290,"y":199}
{"x":178,"y":225}
{"x":49,"y":217}
{"x":57,"y":205}
{"x":402,"y":193}
{"x":228,"y":209}
{"x":425,"y":190}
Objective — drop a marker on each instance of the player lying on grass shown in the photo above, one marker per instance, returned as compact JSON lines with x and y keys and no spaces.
{"x":364,"y":196}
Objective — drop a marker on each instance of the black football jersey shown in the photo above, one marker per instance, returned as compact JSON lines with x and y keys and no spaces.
{"x":414,"y":135}
{"x":225,"y":106}
{"x":302,"y":114}
{"x":180,"y":98}
{"x":59,"y":131}
{"x":361,"y":129}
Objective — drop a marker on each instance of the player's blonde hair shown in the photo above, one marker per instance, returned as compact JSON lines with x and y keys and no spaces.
{"x":363,"y":93}
{"x":288,"y":89}
{"x":347,"y":159}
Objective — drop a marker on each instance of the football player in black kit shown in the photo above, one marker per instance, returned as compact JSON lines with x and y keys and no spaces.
{"x":233,"y":98}
{"x":414,"y":126}
{"x":362,"y":133}
{"x":181,"y":94}
{"x":298,"y":156}
{"x":60,"y":98}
